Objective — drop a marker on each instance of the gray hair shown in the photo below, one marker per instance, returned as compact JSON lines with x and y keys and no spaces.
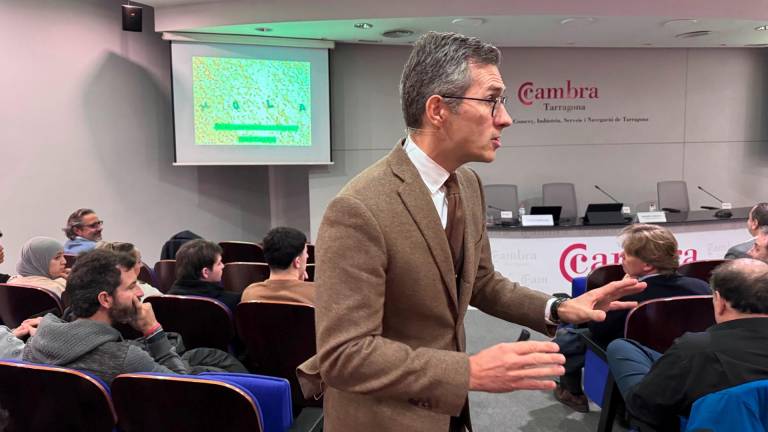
{"x":439,"y":65}
{"x":74,"y":220}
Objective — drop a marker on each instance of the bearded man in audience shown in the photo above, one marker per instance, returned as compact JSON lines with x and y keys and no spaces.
{"x":657,"y":388}
{"x":758,"y":218}
{"x":83,"y":231}
{"x":103,"y":292}
{"x":285,"y":250}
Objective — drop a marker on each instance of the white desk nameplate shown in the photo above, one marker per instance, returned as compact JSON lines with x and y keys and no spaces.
{"x":538,"y":220}
{"x":651,"y":217}
{"x":726,"y":206}
{"x":507,"y":214}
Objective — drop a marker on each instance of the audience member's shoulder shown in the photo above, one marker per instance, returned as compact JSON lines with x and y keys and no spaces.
{"x":694,"y":284}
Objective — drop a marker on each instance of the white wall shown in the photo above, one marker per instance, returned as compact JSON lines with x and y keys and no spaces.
{"x":707,"y":108}
{"x":85,"y":121}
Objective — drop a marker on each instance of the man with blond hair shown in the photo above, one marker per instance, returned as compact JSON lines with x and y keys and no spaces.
{"x":649,"y":254}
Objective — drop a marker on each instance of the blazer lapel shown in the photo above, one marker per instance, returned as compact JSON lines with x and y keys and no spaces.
{"x":415,"y":197}
{"x":469,"y":240}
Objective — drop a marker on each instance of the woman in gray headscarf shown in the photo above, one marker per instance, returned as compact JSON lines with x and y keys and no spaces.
{"x":42,"y":265}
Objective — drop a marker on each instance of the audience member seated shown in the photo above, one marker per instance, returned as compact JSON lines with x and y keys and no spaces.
{"x":649,"y":255}
{"x":11,"y":345}
{"x":42,"y":265}
{"x":83,"y":231}
{"x":758,"y":217}
{"x":285,"y":250}
{"x":130,"y":249}
{"x":759,"y":248}
{"x":3,"y":277}
{"x":101,"y":294}
{"x":198,"y":272}
{"x":657,"y":388}
{"x":175,"y":243}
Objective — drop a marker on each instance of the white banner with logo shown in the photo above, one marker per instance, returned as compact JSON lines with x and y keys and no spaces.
{"x":549,"y":264}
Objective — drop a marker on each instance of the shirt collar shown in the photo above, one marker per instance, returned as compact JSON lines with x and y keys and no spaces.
{"x":642,"y":278}
{"x":433,"y":175}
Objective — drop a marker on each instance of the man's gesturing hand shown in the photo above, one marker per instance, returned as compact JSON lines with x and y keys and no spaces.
{"x":516,"y":366}
{"x":593,"y":304}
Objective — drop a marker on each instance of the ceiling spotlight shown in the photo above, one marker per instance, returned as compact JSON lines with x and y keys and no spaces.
{"x":363,"y":25}
{"x":468,"y":22}
{"x":680,"y":23}
{"x":578,"y":20}
{"x":761,"y":28}
{"x":263,"y":29}
{"x":694,"y":34}
{"x":395,"y":34}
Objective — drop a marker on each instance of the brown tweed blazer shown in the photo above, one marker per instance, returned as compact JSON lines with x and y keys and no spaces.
{"x":390,"y":328}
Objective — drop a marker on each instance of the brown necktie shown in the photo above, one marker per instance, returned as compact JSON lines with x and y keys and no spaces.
{"x":454,"y":229}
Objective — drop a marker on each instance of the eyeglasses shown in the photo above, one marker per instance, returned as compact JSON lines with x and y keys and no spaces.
{"x":495,"y":101}
{"x":94,"y":225}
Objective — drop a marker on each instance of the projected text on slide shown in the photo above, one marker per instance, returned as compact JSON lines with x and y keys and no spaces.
{"x":251,"y":102}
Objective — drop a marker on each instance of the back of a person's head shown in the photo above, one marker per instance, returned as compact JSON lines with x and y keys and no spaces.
{"x":194,"y":256}
{"x":95,"y":271}
{"x":120,"y":247}
{"x":760,"y":214}
{"x":282,"y":245}
{"x":74,"y":220}
{"x":743,"y":283}
{"x":652,"y":244}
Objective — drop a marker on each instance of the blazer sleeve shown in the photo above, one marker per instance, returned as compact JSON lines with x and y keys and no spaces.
{"x":496,"y":295}
{"x":351,"y":290}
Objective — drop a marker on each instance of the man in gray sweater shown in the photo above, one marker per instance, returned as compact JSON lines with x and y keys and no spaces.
{"x":103,"y":293}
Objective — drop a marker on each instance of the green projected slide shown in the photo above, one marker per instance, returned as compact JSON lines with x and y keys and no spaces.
{"x":251,"y":102}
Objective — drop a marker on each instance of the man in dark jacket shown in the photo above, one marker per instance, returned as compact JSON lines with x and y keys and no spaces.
{"x":102,"y":295}
{"x":649,"y":254}
{"x":659,"y":388}
{"x":198,"y":272}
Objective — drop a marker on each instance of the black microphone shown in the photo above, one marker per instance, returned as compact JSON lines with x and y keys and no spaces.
{"x":723,"y":213}
{"x":496,"y":208}
{"x":607,"y":194}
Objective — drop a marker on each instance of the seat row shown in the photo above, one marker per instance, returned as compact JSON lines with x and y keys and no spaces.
{"x":41,"y":397}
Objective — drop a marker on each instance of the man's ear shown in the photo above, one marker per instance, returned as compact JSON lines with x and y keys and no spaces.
{"x":105,"y":300}
{"x":719,"y":303}
{"x":435,"y":111}
{"x":205,"y":272}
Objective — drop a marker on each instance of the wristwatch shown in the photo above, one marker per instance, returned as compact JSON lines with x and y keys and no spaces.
{"x":560,"y":298}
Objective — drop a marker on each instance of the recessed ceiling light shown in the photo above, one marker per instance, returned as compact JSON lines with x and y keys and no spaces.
{"x":680,"y":23}
{"x":468,"y":22}
{"x":694,"y":34}
{"x":761,"y":28}
{"x":578,"y":20}
{"x":263,"y":29}
{"x":363,"y":25}
{"x":400,"y":33}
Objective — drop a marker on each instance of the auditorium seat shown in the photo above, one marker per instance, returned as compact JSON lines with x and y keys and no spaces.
{"x":165,"y":273}
{"x":278,"y":337}
{"x":603,"y":275}
{"x":19,"y":302}
{"x":239,"y":251}
{"x":50,"y":398}
{"x":238,"y":275}
{"x":700,"y":269}
{"x":201,"y":321}
{"x":673,"y":194}
{"x":503,"y":196}
{"x":147,"y":275}
{"x":70,"y":258}
{"x":310,"y":253}
{"x":563,"y":195}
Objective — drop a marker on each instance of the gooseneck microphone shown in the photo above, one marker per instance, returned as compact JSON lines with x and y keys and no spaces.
{"x":495,"y":208}
{"x":606,"y":194}
{"x":722,"y":213}
{"x":710,"y":194}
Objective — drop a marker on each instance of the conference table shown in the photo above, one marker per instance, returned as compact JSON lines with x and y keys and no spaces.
{"x":548,"y":258}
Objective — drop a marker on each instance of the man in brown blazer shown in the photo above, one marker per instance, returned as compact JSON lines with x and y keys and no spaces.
{"x":393,"y":282}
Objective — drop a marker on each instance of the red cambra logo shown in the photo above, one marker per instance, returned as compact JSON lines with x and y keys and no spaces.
{"x":576,"y":261}
{"x":528,"y":92}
